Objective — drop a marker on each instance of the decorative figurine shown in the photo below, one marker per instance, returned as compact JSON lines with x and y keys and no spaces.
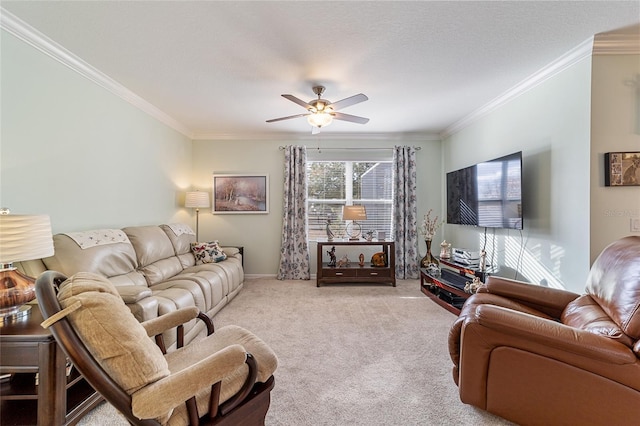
{"x":329,"y":231}
{"x":332,"y":256}
{"x":369,"y":235}
{"x":344,"y":262}
{"x":361,"y":258}
{"x":483,"y":260}
{"x":445,"y":250}
{"x":472,"y":287}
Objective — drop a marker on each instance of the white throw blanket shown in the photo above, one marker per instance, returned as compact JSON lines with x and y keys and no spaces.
{"x":97,"y":237}
{"x":181,"y":228}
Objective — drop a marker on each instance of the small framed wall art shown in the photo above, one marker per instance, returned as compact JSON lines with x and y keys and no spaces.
{"x":240,"y":194}
{"x":622,"y":169}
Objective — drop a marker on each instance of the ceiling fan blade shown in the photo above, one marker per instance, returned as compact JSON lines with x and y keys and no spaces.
{"x":352,"y":100}
{"x":349,"y":117}
{"x":297,"y":101}
{"x":273,"y":120}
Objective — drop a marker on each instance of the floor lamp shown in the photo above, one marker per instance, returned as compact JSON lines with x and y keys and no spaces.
{"x":197,"y":199}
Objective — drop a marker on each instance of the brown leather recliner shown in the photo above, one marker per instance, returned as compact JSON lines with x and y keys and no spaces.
{"x":541,"y":356}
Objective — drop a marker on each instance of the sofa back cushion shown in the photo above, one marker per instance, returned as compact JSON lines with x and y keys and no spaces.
{"x":181,"y":237}
{"x":110,"y":255}
{"x":114,"y":337}
{"x":614,"y":284}
{"x":154,"y":252}
{"x":584,"y":313}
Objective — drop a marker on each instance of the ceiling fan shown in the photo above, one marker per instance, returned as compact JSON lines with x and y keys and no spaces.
{"x":322,"y":112}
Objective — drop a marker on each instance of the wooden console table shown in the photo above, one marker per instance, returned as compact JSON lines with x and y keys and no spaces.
{"x":354,"y":273}
{"x":27,"y":350}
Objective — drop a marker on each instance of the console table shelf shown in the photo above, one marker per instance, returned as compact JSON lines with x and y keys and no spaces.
{"x":354,"y":273}
{"x":447,"y":289}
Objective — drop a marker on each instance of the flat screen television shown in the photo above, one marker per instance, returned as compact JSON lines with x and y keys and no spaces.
{"x":487,"y":194}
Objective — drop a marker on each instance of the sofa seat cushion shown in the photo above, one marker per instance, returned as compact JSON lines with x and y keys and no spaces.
{"x":586,"y":314}
{"x":188,"y":292}
{"x":212,"y":283}
{"x":231,"y":269}
{"x":115,"y":338}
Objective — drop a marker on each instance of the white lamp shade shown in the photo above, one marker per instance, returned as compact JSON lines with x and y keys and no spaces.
{"x":197,"y":199}
{"x":25,"y":237}
{"x":354,"y":213}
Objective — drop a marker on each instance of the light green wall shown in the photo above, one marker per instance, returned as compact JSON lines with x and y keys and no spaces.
{"x":615,"y":127}
{"x":79,"y":153}
{"x":89,"y":159}
{"x":550,"y":124}
{"x":261,"y":234}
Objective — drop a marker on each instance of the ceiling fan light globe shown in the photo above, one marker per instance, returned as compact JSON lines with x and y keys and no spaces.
{"x":320,"y":119}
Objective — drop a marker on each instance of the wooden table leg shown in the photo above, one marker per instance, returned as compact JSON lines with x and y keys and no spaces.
{"x":52,"y":389}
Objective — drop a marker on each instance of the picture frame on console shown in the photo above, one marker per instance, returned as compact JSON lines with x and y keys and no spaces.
{"x":240,"y":194}
{"x":622,"y":168}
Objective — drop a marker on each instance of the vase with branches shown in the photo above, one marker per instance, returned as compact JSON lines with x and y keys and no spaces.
{"x":428,"y":229}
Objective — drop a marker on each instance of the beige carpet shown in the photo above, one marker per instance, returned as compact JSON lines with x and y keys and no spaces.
{"x":349,"y":355}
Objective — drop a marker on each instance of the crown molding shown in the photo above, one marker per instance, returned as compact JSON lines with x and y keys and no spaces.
{"x":567,"y":60}
{"x":326,"y":136}
{"x":23,"y":31}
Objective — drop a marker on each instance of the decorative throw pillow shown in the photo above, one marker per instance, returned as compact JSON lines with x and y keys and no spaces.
{"x":209,"y":252}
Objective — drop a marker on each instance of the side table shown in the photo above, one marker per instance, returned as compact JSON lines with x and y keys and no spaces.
{"x":28,"y":351}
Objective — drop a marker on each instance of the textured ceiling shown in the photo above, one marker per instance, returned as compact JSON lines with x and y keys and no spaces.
{"x":219,"y":68}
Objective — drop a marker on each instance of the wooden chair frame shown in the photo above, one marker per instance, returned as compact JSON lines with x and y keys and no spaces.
{"x":248,"y":407}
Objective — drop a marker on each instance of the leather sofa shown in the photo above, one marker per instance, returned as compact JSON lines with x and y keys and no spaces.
{"x":152,"y":267}
{"x":542,"y":356}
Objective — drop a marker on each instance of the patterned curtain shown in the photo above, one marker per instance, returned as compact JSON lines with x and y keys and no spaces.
{"x":405,"y":212}
{"x":294,"y":253}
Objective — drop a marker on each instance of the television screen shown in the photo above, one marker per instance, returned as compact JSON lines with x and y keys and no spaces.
{"x":487,"y":194}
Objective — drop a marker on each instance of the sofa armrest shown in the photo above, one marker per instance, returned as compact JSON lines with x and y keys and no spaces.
{"x":140,"y":301}
{"x":231,"y":251}
{"x":551,"y":301}
{"x":133,"y":293}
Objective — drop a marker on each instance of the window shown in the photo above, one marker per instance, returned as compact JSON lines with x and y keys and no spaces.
{"x":333,"y":184}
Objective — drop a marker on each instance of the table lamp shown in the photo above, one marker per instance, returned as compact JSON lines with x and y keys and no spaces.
{"x":354,"y":213}
{"x":22,"y":237}
{"x":197,"y":199}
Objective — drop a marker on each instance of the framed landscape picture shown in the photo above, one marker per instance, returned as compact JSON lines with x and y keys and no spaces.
{"x":240,"y":194}
{"x":622,"y":169}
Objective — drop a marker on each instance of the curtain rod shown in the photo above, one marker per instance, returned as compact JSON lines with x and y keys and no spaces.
{"x":417,"y":148}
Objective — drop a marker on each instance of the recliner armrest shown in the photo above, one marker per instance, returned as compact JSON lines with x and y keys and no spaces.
{"x":551,"y":336}
{"x":551,"y":301}
{"x":170,"y":320}
{"x":158,"y":398}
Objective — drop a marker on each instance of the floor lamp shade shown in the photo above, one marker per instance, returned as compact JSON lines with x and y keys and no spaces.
{"x":196,"y":200}
{"x":22,"y":237}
